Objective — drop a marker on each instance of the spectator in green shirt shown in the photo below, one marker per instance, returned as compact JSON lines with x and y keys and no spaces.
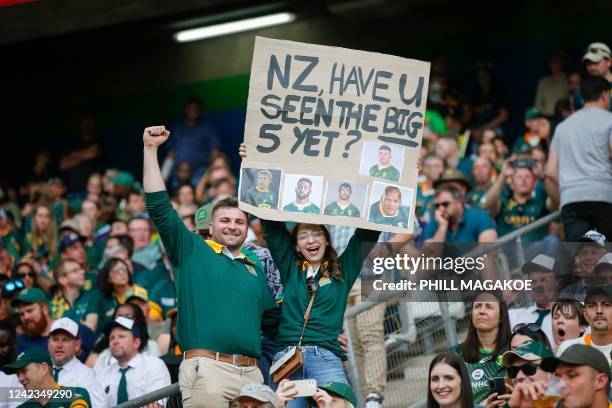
{"x":482,"y":173}
{"x":222,"y":291}
{"x":523,"y":206}
{"x":71,"y":300}
{"x":486,"y":341}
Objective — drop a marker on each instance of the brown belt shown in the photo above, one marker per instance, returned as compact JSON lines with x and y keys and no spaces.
{"x":235,"y":359}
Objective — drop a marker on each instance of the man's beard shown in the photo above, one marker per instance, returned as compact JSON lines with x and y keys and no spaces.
{"x":35,"y":328}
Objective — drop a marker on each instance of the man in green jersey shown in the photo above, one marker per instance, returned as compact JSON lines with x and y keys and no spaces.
{"x":389,"y":210}
{"x":260,"y":195}
{"x":302,"y":198}
{"x":523,"y":206}
{"x":223,"y":291}
{"x":343,"y":205}
{"x":384,"y":168}
{"x":34,"y":370}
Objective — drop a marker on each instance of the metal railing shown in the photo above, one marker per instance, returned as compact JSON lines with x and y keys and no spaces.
{"x":169,"y":397}
{"x":408,"y":357}
{"x":415,"y":331}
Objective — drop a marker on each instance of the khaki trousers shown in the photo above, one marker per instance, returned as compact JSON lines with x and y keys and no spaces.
{"x":206,"y":383}
{"x":368,"y":337}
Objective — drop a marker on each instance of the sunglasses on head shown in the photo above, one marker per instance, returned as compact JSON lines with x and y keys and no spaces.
{"x":532,"y":327}
{"x":443,"y":204}
{"x":528,"y":369}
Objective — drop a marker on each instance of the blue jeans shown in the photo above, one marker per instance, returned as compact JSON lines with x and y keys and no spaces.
{"x":267,"y":355}
{"x":319,"y":364}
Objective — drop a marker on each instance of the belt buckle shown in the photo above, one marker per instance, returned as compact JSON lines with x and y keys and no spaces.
{"x":234,"y":358}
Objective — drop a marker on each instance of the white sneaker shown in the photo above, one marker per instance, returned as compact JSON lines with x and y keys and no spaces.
{"x":373,"y":400}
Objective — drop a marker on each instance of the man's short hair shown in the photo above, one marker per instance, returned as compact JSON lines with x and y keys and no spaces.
{"x":452,"y":190}
{"x":145,"y":219}
{"x":60,"y":268}
{"x":307,"y":180}
{"x":592,"y":87}
{"x":345,"y":185}
{"x":392,"y":189}
{"x":229,"y":202}
{"x":385,"y":147}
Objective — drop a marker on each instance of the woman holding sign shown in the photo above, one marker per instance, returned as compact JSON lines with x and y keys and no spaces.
{"x":316,"y":284}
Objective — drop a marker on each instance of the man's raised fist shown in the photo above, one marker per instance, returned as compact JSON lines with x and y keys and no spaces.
{"x":155,"y":136}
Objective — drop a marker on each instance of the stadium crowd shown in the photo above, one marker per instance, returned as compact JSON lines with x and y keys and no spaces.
{"x":115,"y":288}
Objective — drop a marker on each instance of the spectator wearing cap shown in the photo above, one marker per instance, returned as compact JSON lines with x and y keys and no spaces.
{"x":457,"y":223}
{"x":133,"y":374}
{"x":71,"y":248}
{"x":34,"y":370}
{"x":553,"y":88}
{"x":523,"y":367}
{"x":35,"y":320}
{"x":579,"y":163}
{"x":220,"y":334}
{"x":334,"y":395}
{"x":256,"y":396}
{"x":603,"y":269}
{"x":329,"y":395}
{"x":148,"y":346}
{"x":542,"y":272}
{"x":122,"y":183}
{"x":591,"y":247}
{"x":532,"y":137}
{"x":584,"y":372}
{"x":524,"y":206}
{"x":8,"y":339}
{"x":598,"y":313}
{"x":114,"y":282}
{"x":139,"y":296}
{"x":598,"y":62}
{"x":568,"y":321}
{"x":68,"y":371}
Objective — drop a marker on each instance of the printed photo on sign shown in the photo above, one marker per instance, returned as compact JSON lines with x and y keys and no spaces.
{"x":260,"y":187}
{"x":390,"y":204}
{"x":302,"y":193}
{"x":345,"y":198}
{"x":382,"y":160}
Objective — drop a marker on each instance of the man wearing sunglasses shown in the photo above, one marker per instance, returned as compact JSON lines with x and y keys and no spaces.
{"x":456,"y":223}
{"x":523,"y":366}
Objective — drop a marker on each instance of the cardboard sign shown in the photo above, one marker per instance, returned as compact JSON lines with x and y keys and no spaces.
{"x":333,"y":136}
